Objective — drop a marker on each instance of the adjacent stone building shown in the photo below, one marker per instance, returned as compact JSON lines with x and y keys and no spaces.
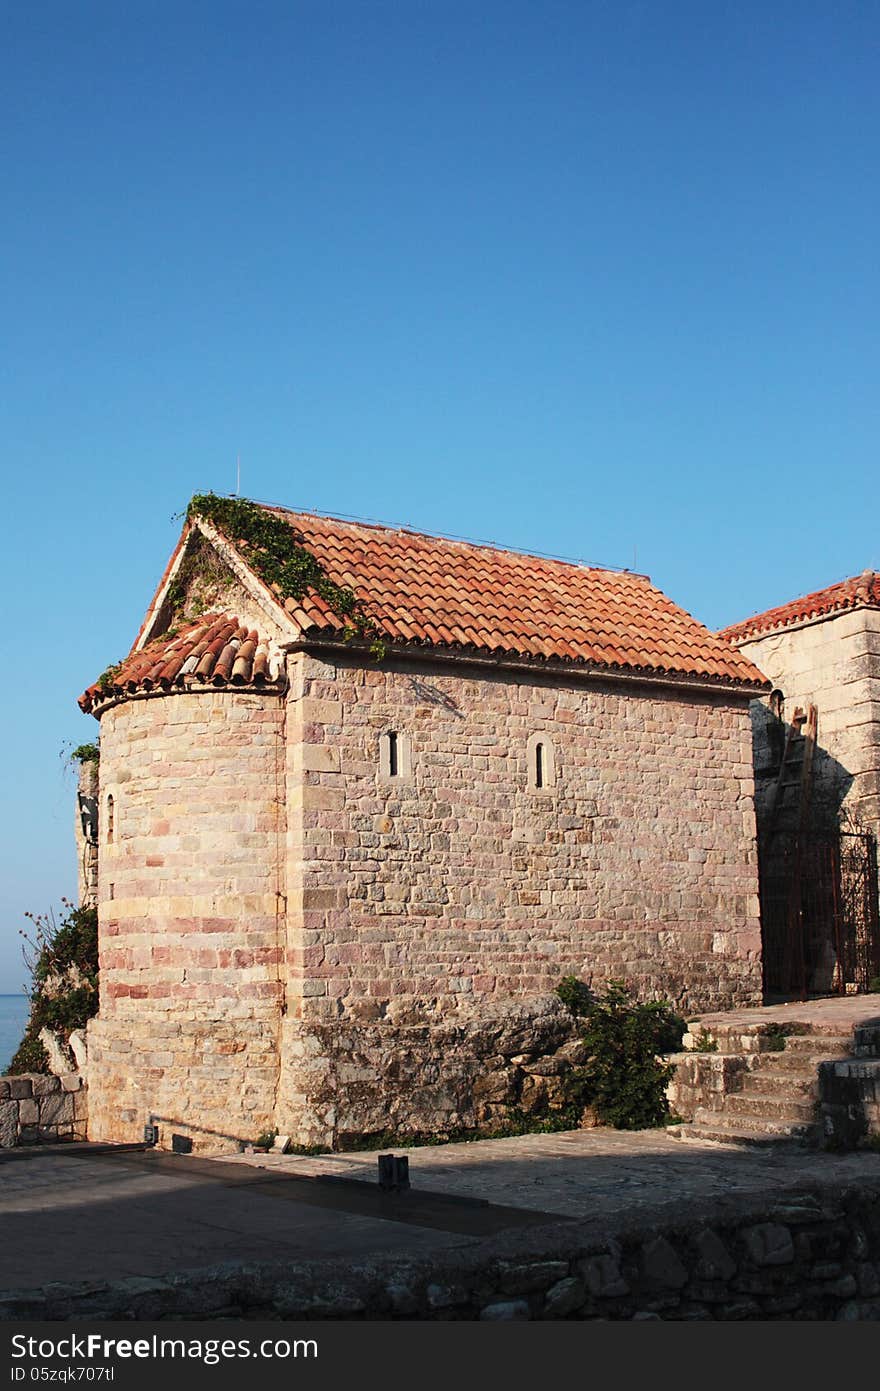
{"x":817,"y":787}
{"x":366,"y":795}
{"x":824,"y":650}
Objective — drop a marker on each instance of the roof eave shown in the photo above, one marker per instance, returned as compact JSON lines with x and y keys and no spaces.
{"x":735,"y":635}
{"x":482,"y":657}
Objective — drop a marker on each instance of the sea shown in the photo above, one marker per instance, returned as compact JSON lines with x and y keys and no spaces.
{"x":13,"y":1017}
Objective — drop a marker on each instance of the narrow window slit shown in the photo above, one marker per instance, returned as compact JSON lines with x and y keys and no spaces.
{"x":110,"y":819}
{"x":539,"y":765}
{"x":392,"y":755}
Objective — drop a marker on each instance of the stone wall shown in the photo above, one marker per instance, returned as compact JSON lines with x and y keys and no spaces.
{"x":36,"y":1109}
{"x":432,"y":1079}
{"x":429,"y":899}
{"x":801,"y":1254}
{"x":191,"y":913}
{"x":293,"y":936}
{"x":833,"y":663}
{"x":850,"y":1102}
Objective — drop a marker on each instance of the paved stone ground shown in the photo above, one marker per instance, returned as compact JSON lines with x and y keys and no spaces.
{"x":76,"y":1215}
{"x":837,"y":1012}
{"x":591,"y":1173}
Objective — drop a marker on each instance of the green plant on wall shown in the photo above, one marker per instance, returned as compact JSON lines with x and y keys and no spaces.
{"x":274,"y":550}
{"x":62,"y":959}
{"x":85,"y":753}
{"x":623,"y":1080}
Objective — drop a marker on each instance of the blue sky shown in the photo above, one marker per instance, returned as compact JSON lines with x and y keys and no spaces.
{"x":595,"y":279}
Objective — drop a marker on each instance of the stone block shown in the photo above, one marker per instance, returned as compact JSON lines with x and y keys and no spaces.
{"x":531,"y":1276}
{"x":446,"y":1296}
{"x":56,"y":1109}
{"x":603,"y":1276}
{"x":46,"y":1085}
{"x":565,"y":1297}
{"x":8,"y":1124}
{"x":661,"y":1267}
{"x":505,"y":1311}
{"x":768,"y":1243}
{"x":28,"y":1111}
{"x":714,"y":1261}
{"x":319,"y":758}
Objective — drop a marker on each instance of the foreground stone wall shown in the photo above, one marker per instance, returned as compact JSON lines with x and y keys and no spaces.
{"x":803,"y":1254}
{"x":37,"y":1109}
{"x":850,"y":1102}
{"x":434,"y":897}
{"x":834,"y":664}
{"x":191,"y":915}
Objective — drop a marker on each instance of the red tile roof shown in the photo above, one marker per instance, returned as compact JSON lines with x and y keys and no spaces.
{"x":215,"y":650}
{"x":433,"y":592}
{"x":861,"y":591}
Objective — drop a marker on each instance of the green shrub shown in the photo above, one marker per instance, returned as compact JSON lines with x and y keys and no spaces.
{"x":623,"y":1081}
{"x":575,"y":995}
{"x":85,"y":753}
{"x":62,"y":958}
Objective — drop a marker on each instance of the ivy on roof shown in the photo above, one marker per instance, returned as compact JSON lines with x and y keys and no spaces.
{"x":274,"y":550}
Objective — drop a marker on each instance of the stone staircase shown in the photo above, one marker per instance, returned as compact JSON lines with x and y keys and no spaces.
{"x":763,"y":1085}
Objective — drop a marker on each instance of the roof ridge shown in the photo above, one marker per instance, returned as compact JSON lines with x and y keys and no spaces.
{"x":405,"y":529}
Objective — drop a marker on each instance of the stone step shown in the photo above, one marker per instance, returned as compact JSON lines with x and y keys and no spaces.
{"x":760,"y":1040}
{"x":784,"y":1109}
{"x":840,"y":1045}
{"x":769,"y":1083}
{"x":709,"y":1125}
{"x":794,"y":1064}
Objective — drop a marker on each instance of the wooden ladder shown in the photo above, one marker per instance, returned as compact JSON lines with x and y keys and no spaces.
{"x":790,"y":803}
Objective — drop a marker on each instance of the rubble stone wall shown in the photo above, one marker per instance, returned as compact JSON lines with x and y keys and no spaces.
{"x":803,"y":1253}
{"x":36,"y":1109}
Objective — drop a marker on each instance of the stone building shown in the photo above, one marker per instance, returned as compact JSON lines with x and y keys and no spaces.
{"x":817,"y":775}
{"x":366,"y":795}
{"x":824,"y":650}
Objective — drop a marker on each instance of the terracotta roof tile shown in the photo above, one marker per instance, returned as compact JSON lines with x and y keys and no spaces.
{"x":433,"y":591}
{"x":861,"y":591}
{"x":213,"y":650}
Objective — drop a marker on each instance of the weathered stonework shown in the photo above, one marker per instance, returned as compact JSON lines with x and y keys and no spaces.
{"x":833,"y":663}
{"x":191,"y":913}
{"x":38,"y":1109}
{"x":427,"y":903}
{"x":292,"y":937}
{"x":336,"y":894}
{"x":806,"y":1253}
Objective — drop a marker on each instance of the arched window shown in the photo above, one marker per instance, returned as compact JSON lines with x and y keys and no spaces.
{"x":541,"y":763}
{"x":395,"y":756}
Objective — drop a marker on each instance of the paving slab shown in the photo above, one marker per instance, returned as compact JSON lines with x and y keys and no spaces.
{"x":71,"y":1214}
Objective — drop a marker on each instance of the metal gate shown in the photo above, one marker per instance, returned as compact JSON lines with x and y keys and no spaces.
{"x":819,"y":914}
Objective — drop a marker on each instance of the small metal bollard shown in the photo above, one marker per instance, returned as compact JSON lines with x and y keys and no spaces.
{"x":393,"y":1173}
